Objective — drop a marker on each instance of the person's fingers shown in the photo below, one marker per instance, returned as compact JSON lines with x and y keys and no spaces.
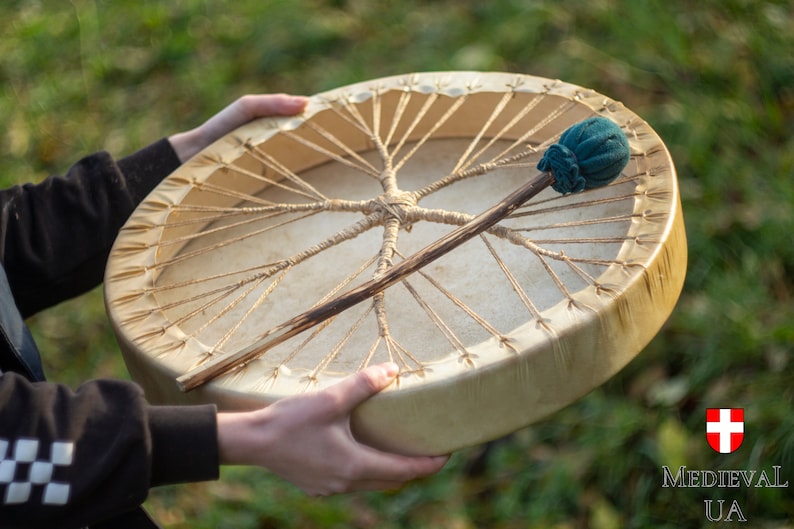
{"x":383,"y":466}
{"x":188,"y":144}
{"x":356,"y":388}
{"x":383,"y":477}
{"x":371,"y":464}
{"x":254,"y":106}
{"x":248,"y":108}
{"x":389,"y":471}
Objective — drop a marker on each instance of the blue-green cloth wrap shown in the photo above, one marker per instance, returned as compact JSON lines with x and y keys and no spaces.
{"x":589,"y":154}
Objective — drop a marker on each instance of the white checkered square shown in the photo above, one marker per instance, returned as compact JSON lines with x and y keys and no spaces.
{"x":22,"y":472}
{"x":18,"y":493}
{"x":41,"y":472}
{"x":61,"y":453}
{"x":25,"y":450}
{"x":56,"y":494}
{"x":8,"y":468}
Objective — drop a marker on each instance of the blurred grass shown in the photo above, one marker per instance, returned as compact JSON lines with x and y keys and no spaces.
{"x":714,"y":78}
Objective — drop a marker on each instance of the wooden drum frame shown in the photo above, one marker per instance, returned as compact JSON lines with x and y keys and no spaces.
{"x":285,"y":213}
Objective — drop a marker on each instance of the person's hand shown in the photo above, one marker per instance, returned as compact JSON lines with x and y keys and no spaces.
{"x":306,"y":439}
{"x":249,"y":107}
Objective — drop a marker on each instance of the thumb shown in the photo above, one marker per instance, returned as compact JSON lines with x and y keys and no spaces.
{"x":360,"y":386}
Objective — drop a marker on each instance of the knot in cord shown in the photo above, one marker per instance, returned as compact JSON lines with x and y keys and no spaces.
{"x":397,"y":203}
{"x":404,"y":199}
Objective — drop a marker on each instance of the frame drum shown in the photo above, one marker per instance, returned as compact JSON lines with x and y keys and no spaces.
{"x":285,"y":213}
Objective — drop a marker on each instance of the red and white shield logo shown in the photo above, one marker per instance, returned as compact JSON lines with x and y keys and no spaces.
{"x":725,"y":429}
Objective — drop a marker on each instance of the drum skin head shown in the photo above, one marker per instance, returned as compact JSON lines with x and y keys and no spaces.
{"x":285,"y":213}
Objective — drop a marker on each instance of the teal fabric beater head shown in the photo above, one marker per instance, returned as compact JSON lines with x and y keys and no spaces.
{"x":589,"y":154}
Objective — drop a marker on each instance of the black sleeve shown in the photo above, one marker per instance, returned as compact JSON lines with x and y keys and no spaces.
{"x":69,"y":459}
{"x":55,"y":236}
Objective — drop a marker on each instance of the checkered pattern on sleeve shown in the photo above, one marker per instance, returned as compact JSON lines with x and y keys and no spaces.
{"x":30,"y":471}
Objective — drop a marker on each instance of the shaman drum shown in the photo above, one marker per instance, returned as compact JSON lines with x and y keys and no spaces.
{"x":286,"y":213}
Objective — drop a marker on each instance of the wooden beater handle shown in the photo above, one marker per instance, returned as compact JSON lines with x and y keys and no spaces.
{"x":218,"y":366}
{"x":590,"y":154}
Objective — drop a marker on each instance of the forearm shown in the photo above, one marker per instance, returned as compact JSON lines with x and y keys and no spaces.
{"x":72,"y":458}
{"x":55,"y":236}
{"x":237,"y":438}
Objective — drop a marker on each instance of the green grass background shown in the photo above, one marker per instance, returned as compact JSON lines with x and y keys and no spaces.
{"x":715,"y":78}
